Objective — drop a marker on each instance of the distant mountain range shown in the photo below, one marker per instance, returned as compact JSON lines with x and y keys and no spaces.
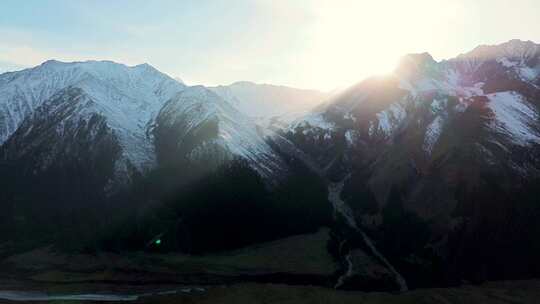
{"x":268,"y":104}
{"x":439,"y":162}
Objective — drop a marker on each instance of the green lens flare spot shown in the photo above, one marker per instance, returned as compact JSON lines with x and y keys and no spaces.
{"x":158,"y":241}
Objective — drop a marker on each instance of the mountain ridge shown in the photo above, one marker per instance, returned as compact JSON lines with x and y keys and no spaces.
{"x":437,"y":152}
{"x":437,"y":164}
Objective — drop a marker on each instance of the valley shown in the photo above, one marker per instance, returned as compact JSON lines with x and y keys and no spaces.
{"x":425,"y":178}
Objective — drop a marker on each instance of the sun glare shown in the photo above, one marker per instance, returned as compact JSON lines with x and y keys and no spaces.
{"x":364,"y":38}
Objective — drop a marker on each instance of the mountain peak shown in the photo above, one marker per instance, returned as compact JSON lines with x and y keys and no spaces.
{"x":101,"y":65}
{"x":419,"y":58}
{"x":519,"y":42}
{"x":415,"y":63}
{"x":243,"y":83}
{"x":51,"y":62}
{"x":146,"y":67}
{"x":514,"y":48}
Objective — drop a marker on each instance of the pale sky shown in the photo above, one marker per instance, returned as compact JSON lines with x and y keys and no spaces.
{"x":318,"y":44}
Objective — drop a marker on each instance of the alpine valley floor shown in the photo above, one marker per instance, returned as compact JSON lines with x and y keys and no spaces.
{"x":296,"y":269}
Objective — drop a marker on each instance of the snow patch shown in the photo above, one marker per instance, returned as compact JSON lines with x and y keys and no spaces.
{"x":514,"y":117}
{"x":313,"y":120}
{"x":433,"y":133}
{"x":350,"y":136}
{"x":438,"y":105}
{"x":349,"y":115}
{"x":528,"y":74}
{"x":506,"y":62}
{"x":390,"y":119}
{"x":371,"y":129}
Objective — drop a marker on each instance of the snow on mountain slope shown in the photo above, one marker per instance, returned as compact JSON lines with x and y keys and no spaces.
{"x":390,"y":119}
{"x":64,"y":130}
{"x":263,"y":102}
{"x":514,"y":117}
{"x":433,"y":132}
{"x":313,"y":120}
{"x":453,"y":144}
{"x":207,"y":128}
{"x":384,"y":105}
{"x":513,"y":51}
{"x":129,"y":97}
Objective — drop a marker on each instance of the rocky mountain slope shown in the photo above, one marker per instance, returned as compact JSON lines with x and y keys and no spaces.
{"x":99,"y":155}
{"x":127,"y":97}
{"x":432,"y":170}
{"x":128,"y":101}
{"x":199,"y":125}
{"x":437,"y":152}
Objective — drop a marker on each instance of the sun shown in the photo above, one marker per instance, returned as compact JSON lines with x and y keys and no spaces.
{"x":352,"y":40}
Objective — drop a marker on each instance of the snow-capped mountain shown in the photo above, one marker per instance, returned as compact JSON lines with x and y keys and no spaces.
{"x":429,"y":114}
{"x":439,"y":163}
{"x":89,"y":147}
{"x":45,"y":107}
{"x":128,"y":97}
{"x":436,"y":153}
{"x":67,"y":138}
{"x":270,"y":105}
{"x":201,"y":126}
{"x":501,"y":80}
